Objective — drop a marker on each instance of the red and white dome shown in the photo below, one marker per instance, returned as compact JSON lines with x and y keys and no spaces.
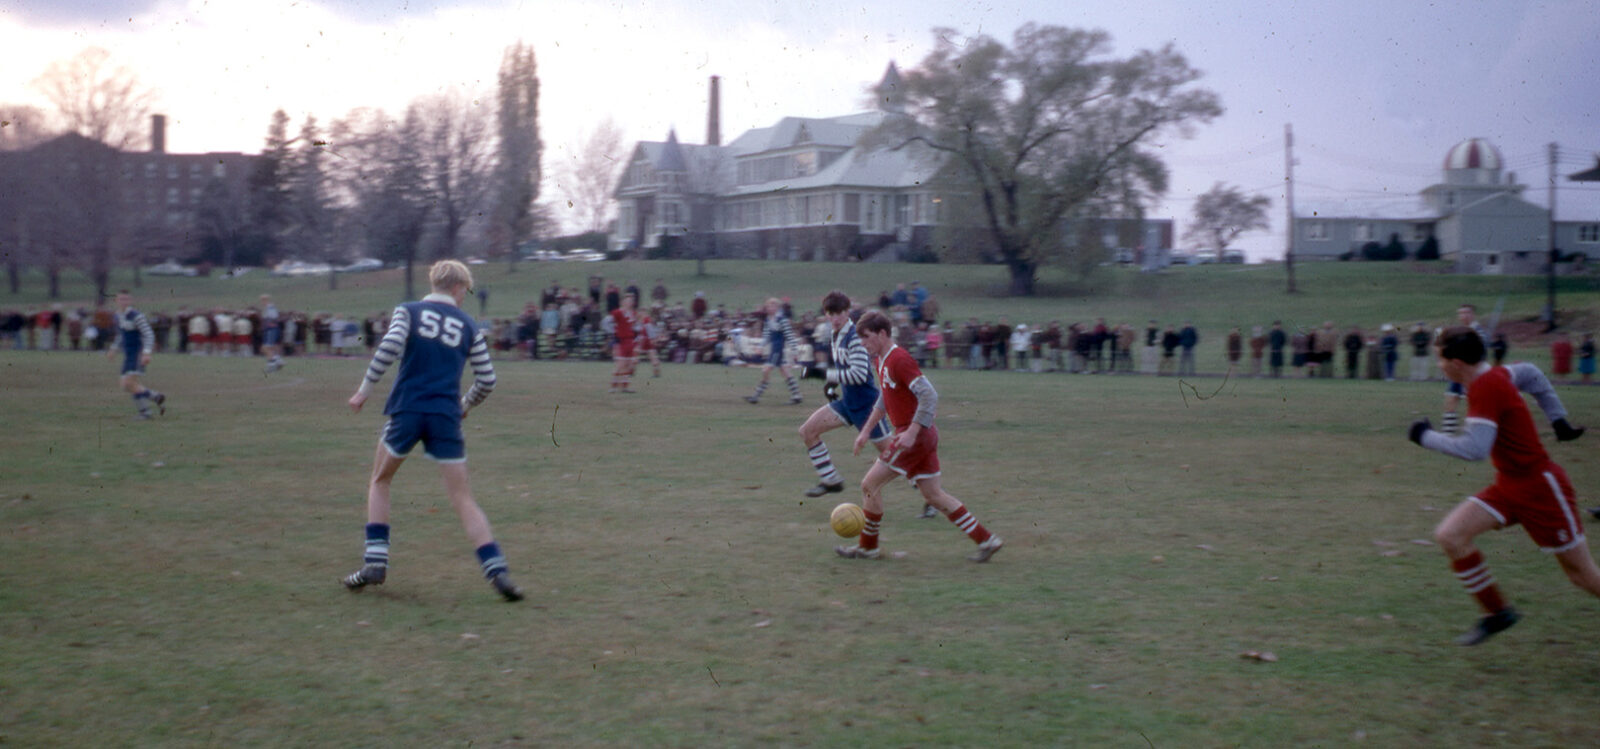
{"x":1473,"y":153}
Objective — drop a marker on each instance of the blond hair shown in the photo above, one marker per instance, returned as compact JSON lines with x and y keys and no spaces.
{"x":445,"y":274}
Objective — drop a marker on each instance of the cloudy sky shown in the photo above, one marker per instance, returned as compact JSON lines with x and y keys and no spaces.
{"x":1377,"y":91}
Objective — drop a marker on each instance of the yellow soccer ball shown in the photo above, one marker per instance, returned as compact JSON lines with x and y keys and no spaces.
{"x":848,"y":520}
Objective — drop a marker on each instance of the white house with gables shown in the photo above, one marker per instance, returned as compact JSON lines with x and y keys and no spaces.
{"x":803,"y":189}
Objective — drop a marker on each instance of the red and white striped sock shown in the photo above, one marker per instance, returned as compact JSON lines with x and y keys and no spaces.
{"x":1475,"y":577}
{"x":969,"y":524}
{"x":869,"y":531}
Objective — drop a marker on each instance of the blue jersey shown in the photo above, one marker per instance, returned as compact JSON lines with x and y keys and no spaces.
{"x":853,"y":368}
{"x":433,"y":340}
{"x":137,"y":336}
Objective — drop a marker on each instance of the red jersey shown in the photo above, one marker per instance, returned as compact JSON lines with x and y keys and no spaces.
{"x":1493,"y":398}
{"x":896,"y":371}
{"x":624,"y":326}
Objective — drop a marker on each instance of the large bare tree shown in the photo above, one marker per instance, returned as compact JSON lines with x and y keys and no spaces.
{"x":21,"y":128}
{"x":459,"y":157}
{"x":591,"y":174}
{"x":98,"y":99}
{"x":1044,"y":127}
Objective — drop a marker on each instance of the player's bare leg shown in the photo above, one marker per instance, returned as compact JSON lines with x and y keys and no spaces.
{"x":375,"y":563}
{"x":872,"y":484}
{"x":476,"y":524}
{"x":933,"y":492}
{"x":1455,"y":536}
{"x":822,"y":420}
{"x":1580,"y":567}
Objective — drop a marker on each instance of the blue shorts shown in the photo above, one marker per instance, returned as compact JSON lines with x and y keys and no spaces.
{"x":440,"y":435}
{"x":130,"y":363}
{"x":1455,"y":389}
{"x":270,"y":336}
{"x":880,"y":430}
{"x":775,"y":353}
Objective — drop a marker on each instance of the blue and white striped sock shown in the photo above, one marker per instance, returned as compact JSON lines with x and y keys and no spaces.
{"x":490,"y":558}
{"x":377,"y":545}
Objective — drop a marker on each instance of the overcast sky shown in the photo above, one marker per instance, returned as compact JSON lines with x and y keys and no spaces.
{"x":1377,"y":92}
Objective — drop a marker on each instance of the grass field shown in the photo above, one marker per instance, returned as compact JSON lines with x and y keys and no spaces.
{"x":174,"y":582}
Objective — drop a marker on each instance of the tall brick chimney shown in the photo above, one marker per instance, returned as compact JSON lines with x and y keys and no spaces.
{"x":158,"y":133}
{"x":714,"y":117}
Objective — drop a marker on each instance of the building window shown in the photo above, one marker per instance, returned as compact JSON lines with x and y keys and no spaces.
{"x":1316,"y":230}
{"x":219,"y":170}
{"x":150,"y":170}
{"x":1363,"y":233}
{"x":172,"y":171}
{"x":172,"y":196}
{"x":938,"y":210}
{"x":194,"y":196}
{"x":852,"y":207}
{"x":1493,"y":259}
{"x":194,"y":171}
{"x":872,"y":210}
{"x":902,"y":210}
{"x":1419,"y":232}
{"x":1589,"y":233}
{"x":669,"y":215}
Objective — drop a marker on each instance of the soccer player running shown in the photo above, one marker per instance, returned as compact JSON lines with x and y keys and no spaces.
{"x":858,"y":394}
{"x":433,"y":339}
{"x":910,"y":402}
{"x":138,"y":339}
{"x":780,"y":336}
{"x":625,"y":332}
{"x":1528,"y":487}
{"x":1527,"y":377}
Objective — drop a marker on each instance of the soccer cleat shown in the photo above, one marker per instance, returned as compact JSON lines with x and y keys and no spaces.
{"x":161,"y":402}
{"x":928,"y":511}
{"x":372,"y":574}
{"x":1565,"y":431}
{"x":796,"y":401}
{"x":1488,"y":626}
{"x":821,"y":489}
{"x":751,"y":399}
{"x":1595,"y":511}
{"x":503,"y":585}
{"x":988,"y":548}
{"x":856,"y":552}
{"x":142,"y":416}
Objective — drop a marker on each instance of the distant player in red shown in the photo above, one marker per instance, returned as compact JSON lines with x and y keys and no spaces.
{"x":910,"y":401}
{"x":1528,"y":489}
{"x":625,"y":331}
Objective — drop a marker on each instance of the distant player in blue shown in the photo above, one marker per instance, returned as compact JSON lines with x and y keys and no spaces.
{"x":780,"y":336}
{"x":433,"y":340}
{"x":852,"y":370}
{"x":137,"y":340}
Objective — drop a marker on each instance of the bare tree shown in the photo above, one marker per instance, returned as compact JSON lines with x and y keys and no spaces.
{"x":1222,"y":213}
{"x":591,"y":174}
{"x":519,"y":149}
{"x":309,"y":219}
{"x":21,"y":128}
{"x":1039,"y":129}
{"x":97,"y":99}
{"x":459,"y":162}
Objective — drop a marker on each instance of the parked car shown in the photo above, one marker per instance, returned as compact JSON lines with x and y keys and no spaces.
{"x":585,"y":256}
{"x":172,"y":268}
{"x":362,"y":265}
{"x":543,"y":256}
{"x":301,"y":268}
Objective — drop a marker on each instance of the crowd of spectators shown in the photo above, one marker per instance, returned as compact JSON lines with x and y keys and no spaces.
{"x":573,"y":323}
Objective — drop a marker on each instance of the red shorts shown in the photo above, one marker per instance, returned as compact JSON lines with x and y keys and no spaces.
{"x":1543,"y":503}
{"x":623,"y":350}
{"x":920,"y":460}
{"x":197,"y":338}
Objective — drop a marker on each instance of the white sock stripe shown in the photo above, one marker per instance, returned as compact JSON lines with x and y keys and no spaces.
{"x":1474,"y":578}
{"x":967,"y":523}
{"x":1478,"y":570}
{"x":1480,"y":586}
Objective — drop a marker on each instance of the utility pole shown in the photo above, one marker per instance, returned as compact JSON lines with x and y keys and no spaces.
{"x":1554,"y":252}
{"x":1288,"y":178}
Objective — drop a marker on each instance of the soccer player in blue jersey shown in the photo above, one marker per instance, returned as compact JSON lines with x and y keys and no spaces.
{"x":137,"y":341}
{"x":433,"y":340}
{"x":852,"y":371}
{"x":780,"y":335}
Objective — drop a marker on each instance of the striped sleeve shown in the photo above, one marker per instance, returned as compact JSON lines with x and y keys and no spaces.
{"x":482,"y":372}
{"x":390,"y":349}
{"x":787,"y":329}
{"x":147,"y":336}
{"x":857,"y":369}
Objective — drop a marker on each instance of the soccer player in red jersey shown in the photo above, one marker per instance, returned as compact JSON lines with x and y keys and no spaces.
{"x":910,"y":402}
{"x":1528,"y":487}
{"x":626,"y":329}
